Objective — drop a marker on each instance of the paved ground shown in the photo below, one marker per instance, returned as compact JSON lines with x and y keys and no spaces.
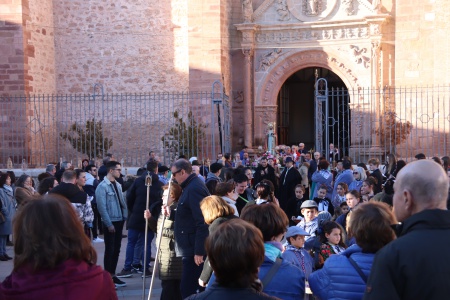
{"x":133,"y":290}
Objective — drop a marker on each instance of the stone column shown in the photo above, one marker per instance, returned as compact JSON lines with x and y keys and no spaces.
{"x":248,"y":97}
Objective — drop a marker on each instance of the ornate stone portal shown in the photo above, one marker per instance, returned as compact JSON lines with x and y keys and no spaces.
{"x":285,"y":36}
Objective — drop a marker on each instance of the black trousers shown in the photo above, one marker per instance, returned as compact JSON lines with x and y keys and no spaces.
{"x":189,"y":278}
{"x":112,"y":247}
{"x":97,"y":224}
{"x":171,"y":289}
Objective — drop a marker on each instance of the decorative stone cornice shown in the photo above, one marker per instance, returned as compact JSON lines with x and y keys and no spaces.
{"x":305,"y":34}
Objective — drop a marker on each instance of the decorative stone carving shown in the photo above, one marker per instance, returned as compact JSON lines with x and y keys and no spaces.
{"x":248,"y":53}
{"x":265,"y":61}
{"x":239,"y":97}
{"x":318,"y":57}
{"x":311,"y":10}
{"x":359,"y":56}
{"x":348,"y":6}
{"x":266,"y":113}
{"x":262,"y":8}
{"x":295,"y":37}
{"x":246,"y":37}
{"x":282,"y":10}
{"x":313,"y":7}
{"x":374,"y":29}
{"x":247,"y":10}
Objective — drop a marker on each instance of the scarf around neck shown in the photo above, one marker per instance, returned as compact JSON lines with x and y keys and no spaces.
{"x":273,"y":250}
{"x":8,"y":188}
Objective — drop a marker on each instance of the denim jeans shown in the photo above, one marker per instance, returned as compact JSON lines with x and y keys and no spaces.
{"x":135,"y":248}
{"x":112,"y":247}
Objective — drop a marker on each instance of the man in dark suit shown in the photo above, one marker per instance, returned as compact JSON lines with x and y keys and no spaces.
{"x":288,"y":180}
{"x":333,"y":154}
{"x":265,"y":171}
{"x":191,"y":230}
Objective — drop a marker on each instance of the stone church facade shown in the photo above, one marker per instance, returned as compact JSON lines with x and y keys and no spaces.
{"x":253,"y":46}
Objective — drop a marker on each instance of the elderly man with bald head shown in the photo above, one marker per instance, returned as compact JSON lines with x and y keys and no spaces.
{"x":417,"y":264}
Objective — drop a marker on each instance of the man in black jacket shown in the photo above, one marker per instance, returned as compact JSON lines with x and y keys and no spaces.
{"x":136,"y":202}
{"x":416,"y":265}
{"x":191,"y":230}
{"x":288,"y":180}
{"x":265,"y":171}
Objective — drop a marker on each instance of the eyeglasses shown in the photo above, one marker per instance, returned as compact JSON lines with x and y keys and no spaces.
{"x":175,"y":173}
{"x":355,"y":172}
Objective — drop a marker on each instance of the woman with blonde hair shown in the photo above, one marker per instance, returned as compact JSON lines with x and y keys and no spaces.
{"x":215,"y":212}
{"x":359,"y":174}
{"x":54,"y":259}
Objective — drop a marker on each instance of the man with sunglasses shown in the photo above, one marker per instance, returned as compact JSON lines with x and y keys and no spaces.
{"x":113,"y":211}
{"x":191,"y":230}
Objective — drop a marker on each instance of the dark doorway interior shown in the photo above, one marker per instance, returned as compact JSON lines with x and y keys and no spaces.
{"x":296,"y":116}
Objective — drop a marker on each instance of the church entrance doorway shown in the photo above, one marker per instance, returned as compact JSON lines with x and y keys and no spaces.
{"x":297,"y":115}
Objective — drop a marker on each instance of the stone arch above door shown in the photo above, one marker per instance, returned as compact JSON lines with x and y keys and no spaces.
{"x":267,"y":89}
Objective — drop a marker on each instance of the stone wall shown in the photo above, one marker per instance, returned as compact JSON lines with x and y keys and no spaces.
{"x":13,"y":58}
{"x":421,"y":42}
{"x":204,"y":43}
{"x":128,"y":46}
{"x":42,"y":59}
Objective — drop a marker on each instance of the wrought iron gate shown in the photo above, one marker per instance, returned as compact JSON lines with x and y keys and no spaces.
{"x":332,"y":118}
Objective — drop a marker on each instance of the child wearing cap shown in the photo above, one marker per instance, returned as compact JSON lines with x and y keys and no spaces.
{"x":309,"y":223}
{"x":295,"y":253}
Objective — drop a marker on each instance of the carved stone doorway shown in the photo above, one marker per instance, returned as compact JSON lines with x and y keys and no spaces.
{"x":295,"y":113}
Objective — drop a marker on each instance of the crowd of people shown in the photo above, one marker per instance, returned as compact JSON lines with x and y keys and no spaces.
{"x":288,"y":225}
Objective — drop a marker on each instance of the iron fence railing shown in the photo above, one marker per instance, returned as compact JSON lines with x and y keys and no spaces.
{"x":368,"y":123}
{"x":363,"y":123}
{"x":39,"y":129}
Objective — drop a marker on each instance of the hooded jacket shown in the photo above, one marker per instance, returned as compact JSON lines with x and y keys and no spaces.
{"x":416,"y":265}
{"x":71,"y":280}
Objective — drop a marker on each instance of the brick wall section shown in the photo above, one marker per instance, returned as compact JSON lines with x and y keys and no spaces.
{"x":13,"y":64}
{"x":14,"y":78}
{"x":128,"y":46}
{"x":41,"y":45}
{"x":421,"y":42}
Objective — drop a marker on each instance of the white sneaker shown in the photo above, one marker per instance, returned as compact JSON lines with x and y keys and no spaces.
{"x":97,"y":240}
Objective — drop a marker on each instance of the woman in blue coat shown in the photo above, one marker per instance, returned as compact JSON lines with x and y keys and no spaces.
{"x":322,"y":176}
{"x":344,"y":275}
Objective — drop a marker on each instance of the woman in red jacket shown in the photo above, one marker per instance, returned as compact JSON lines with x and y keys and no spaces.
{"x":54,"y":259}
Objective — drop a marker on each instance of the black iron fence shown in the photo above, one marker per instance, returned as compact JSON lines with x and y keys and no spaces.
{"x":367,"y":123}
{"x":38,"y":129}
